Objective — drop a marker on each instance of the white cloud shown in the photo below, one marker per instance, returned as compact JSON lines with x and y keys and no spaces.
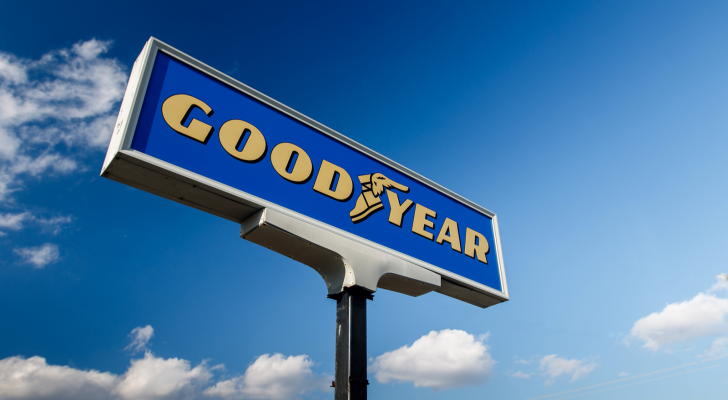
{"x":272,"y":377}
{"x":65,"y":100}
{"x":14,"y":221}
{"x":91,"y":49}
{"x":33,"y":378}
{"x":152,"y":378}
{"x":522,"y":375}
{"x":11,"y":70}
{"x":39,"y":256}
{"x":702,"y":316}
{"x":554,"y":366}
{"x":140,"y":337}
{"x":149,"y":378}
{"x":439,"y":360}
{"x":623,"y":374}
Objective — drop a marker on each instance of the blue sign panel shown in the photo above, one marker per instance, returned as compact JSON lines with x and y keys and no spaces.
{"x":194,"y":121}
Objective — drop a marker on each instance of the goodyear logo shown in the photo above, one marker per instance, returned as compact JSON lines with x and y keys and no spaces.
{"x":247,"y":143}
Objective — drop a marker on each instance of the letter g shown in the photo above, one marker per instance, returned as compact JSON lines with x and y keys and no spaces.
{"x":177,"y":108}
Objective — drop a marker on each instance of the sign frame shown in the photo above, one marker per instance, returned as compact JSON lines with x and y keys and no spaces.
{"x":122,"y":163}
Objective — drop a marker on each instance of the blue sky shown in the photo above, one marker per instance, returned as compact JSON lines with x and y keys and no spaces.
{"x":597,"y":132}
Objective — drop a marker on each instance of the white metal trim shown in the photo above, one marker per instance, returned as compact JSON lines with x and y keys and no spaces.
{"x":150,"y":55}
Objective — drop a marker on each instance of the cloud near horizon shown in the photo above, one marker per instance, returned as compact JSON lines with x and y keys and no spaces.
{"x":439,"y":360}
{"x":273,"y":377}
{"x":146,"y":379}
{"x":156,"y":378}
{"x":702,"y":316}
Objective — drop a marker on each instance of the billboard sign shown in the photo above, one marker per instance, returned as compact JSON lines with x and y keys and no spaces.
{"x":194,"y":135}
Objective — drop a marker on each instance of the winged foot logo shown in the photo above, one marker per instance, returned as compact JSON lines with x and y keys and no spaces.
{"x":369,"y":202}
{"x":245,"y":142}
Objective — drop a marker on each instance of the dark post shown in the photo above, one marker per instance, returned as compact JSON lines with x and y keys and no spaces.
{"x":351,"y":344}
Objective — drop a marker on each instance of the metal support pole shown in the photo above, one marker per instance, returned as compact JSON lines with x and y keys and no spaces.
{"x":351,"y":344}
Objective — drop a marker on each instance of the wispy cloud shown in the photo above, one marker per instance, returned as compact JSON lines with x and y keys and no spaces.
{"x":718,"y":348}
{"x":523,"y":361}
{"x":140,"y":337}
{"x":64,"y":100}
{"x":14,"y":221}
{"x":439,"y":360}
{"x":702,"y":316}
{"x":54,"y":225}
{"x":554,"y":366}
{"x":39,"y":256}
{"x":607,"y":386}
{"x":521,"y":375}
{"x":20,"y":220}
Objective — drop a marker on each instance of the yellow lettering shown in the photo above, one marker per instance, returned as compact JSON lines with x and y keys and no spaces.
{"x":325,"y":182}
{"x":396,"y":210}
{"x":289,"y":157}
{"x":420,"y":221}
{"x":177,"y":108}
{"x":449,"y":233}
{"x":481,"y":248}
{"x":232,"y":133}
